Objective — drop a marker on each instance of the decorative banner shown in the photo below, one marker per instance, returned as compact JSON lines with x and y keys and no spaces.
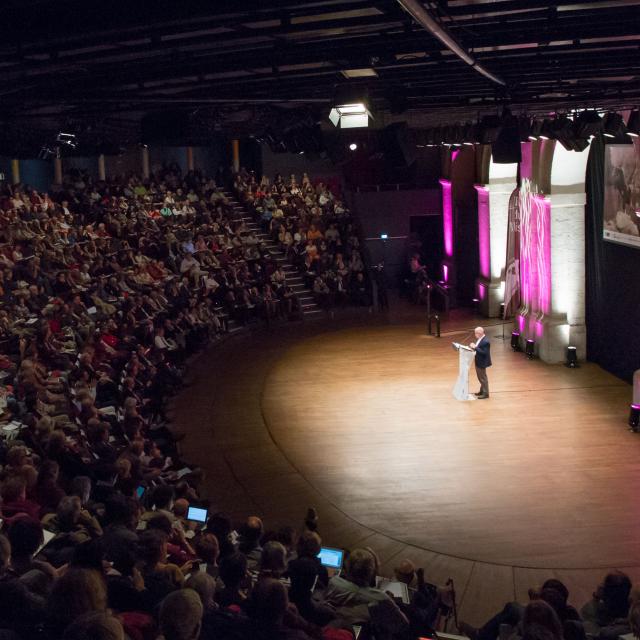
{"x":622,"y":193}
{"x":512,"y":274}
{"x":528,"y":266}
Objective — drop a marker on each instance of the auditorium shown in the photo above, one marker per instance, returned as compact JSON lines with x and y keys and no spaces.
{"x":320,"y":320}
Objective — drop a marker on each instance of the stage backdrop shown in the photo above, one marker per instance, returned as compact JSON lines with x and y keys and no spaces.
{"x":622,"y":193}
{"x":613,"y":289}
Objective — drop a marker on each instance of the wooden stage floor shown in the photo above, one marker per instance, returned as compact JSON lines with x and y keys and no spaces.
{"x":538,"y":481}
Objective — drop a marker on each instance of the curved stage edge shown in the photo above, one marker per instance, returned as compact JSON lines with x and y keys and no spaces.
{"x":249,"y":395}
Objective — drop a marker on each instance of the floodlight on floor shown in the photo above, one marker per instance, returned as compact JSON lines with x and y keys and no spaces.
{"x":572,"y":357}
{"x":634,"y":416}
{"x":515,"y":340}
{"x":529,"y":348}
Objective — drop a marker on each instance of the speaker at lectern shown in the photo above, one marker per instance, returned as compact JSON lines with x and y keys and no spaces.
{"x":465,"y":358}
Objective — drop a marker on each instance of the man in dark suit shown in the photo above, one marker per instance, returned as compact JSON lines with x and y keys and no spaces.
{"x":482,"y":347}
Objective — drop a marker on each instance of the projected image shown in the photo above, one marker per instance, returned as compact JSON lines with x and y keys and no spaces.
{"x":622,"y":194}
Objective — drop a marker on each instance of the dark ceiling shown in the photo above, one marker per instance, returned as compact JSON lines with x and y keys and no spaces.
{"x":241,"y":66}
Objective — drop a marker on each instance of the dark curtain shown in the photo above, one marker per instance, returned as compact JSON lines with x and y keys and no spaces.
{"x":612,"y":284}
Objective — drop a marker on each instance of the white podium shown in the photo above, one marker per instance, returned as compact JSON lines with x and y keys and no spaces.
{"x":465,"y":358}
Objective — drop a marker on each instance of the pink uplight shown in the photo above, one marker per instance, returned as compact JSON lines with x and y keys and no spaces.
{"x":445,"y":272}
{"x":447,"y":217}
{"x":484,"y":231}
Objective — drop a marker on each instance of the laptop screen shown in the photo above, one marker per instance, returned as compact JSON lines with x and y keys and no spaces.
{"x":197,"y":514}
{"x":331,"y":557}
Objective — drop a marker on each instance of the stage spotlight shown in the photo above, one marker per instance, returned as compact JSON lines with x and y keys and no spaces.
{"x":536,"y":130}
{"x":546,"y":130}
{"x":613,"y":126}
{"x":353,"y":146}
{"x":490,"y":127}
{"x":572,"y":357}
{"x":634,"y":416}
{"x":515,"y":341}
{"x":525,"y":126}
{"x":529,"y":349}
{"x":588,"y":123}
{"x":350,"y":108}
{"x":469,"y":135}
{"x":68,"y":139}
{"x":633,"y":124}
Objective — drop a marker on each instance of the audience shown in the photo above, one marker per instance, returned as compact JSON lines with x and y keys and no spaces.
{"x":107,"y":290}
{"x":314,"y":229}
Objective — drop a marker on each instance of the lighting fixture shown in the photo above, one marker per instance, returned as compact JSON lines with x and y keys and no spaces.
{"x":68,"y":139}
{"x":529,"y":348}
{"x":613,"y":125}
{"x":633,"y":124}
{"x":366,"y":72}
{"x":546,"y":130}
{"x":515,"y":340}
{"x":470,"y":134}
{"x":525,"y":126}
{"x":350,"y":108}
{"x":353,"y":146}
{"x":588,"y":123}
{"x":491,"y":126}
{"x":634,"y":416}
{"x":572,"y":357}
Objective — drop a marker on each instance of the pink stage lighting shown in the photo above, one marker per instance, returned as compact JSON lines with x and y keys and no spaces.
{"x":484,"y":231}
{"x":447,"y":217}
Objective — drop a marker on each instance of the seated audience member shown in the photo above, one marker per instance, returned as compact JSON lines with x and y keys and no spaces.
{"x":553,"y":592}
{"x":205,"y":586}
{"x":180,"y":615}
{"x":234,"y":576}
{"x":250,"y":536}
{"x":606,"y":615}
{"x":308,"y":548}
{"x":77,"y":592}
{"x":355,"y":597}
{"x":26,"y":537}
{"x":273,"y":560}
{"x":96,"y":625}
{"x":304,"y":579}
{"x":208,"y":551}
{"x":270,"y":615}
{"x":15,"y":501}
{"x":540,"y":616}
{"x":160,"y":577}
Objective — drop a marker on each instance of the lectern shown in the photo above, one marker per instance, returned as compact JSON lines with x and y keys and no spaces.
{"x":465,"y":358}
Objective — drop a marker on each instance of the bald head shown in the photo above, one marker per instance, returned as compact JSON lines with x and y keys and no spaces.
{"x":405,"y":571}
{"x":479,"y":332}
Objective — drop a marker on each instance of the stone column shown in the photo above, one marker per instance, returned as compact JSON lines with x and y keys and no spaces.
{"x":57,"y":170}
{"x":448,"y":261}
{"x":15,"y":171}
{"x":144,"y":153}
{"x":235,"y":154}
{"x":102,"y":171}
{"x":566,"y":323}
{"x":493,"y":215}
